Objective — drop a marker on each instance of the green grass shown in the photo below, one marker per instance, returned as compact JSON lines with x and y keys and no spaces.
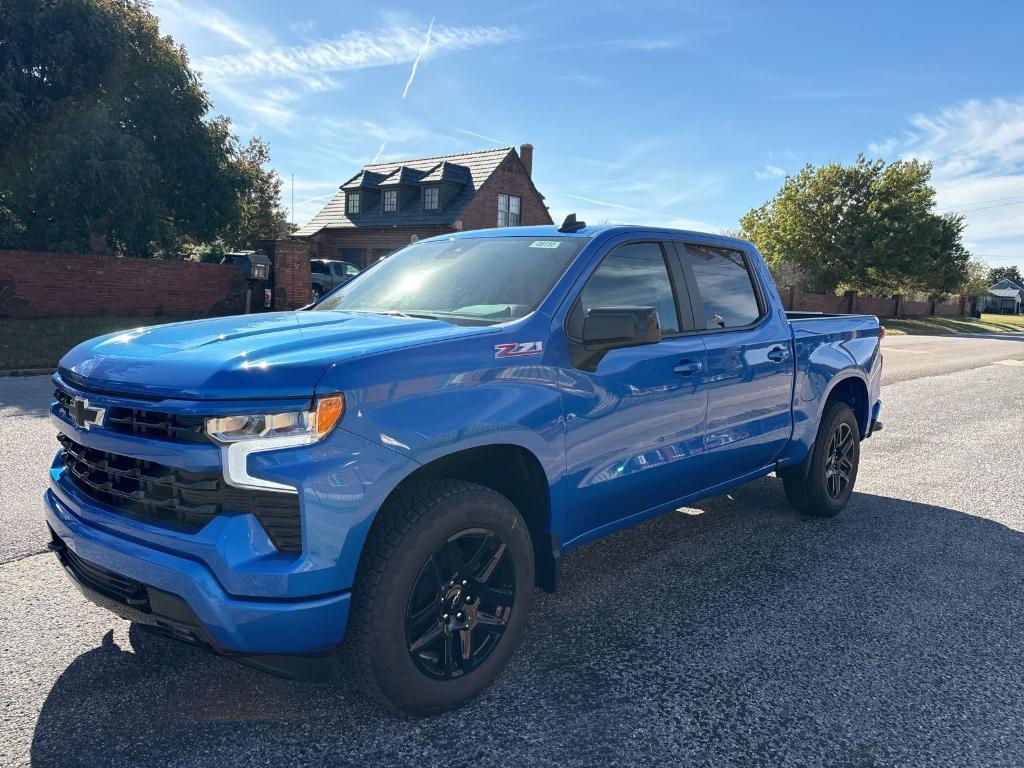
{"x":941,"y":325}
{"x":40,"y":342}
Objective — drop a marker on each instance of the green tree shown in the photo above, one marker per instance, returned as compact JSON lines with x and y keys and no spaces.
{"x":1005,"y":273}
{"x":105,"y":140}
{"x":977,"y":278}
{"x":868,"y":226}
{"x":260,"y":214}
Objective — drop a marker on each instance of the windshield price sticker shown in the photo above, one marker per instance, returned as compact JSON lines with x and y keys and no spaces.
{"x":545,"y":244}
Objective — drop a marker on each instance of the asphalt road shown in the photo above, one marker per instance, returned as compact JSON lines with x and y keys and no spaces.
{"x":736,"y":633}
{"x":911,"y":357}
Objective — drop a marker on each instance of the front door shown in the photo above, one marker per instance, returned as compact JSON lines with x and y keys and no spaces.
{"x":635,"y":417}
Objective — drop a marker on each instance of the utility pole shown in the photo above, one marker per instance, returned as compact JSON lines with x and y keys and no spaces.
{"x":293,"y":198}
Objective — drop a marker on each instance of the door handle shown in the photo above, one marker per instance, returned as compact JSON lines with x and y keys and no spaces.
{"x":778,"y":354}
{"x":686,"y":367}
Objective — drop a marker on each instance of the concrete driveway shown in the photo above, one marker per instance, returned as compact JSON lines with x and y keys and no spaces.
{"x":735,"y":633}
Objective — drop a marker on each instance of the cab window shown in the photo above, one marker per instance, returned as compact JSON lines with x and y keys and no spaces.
{"x":725,"y":285}
{"x":633,"y":275}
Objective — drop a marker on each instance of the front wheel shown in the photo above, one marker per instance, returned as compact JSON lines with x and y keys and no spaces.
{"x":443,"y":589}
{"x":822,"y":485}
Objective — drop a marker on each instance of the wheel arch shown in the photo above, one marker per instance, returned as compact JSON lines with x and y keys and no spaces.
{"x":516,"y":473}
{"x":851,"y":389}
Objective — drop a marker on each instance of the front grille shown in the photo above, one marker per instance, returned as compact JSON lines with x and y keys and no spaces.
{"x":176,"y":427}
{"x":168,"y":496}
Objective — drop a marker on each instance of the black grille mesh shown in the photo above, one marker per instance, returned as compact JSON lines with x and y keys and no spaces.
{"x":175,"y":427}
{"x":165,"y":495}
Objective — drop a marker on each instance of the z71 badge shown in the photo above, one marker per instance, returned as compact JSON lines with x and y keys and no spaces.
{"x":519,"y":350}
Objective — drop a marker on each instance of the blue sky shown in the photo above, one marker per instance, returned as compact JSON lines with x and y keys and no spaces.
{"x":667,"y":113}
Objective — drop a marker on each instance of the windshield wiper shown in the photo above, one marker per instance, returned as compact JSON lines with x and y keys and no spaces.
{"x":420,"y":315}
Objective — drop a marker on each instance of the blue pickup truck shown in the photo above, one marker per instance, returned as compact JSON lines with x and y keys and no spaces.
{"x":400,"y":464}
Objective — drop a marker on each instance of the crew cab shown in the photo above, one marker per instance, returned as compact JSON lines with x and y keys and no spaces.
{"x":391,"y":472}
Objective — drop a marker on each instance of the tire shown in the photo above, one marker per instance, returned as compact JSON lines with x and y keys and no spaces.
{"x":821,"y":486}
{"x":405,"y":646}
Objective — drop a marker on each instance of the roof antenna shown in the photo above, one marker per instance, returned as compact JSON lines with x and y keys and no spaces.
{"x":571,"y":225}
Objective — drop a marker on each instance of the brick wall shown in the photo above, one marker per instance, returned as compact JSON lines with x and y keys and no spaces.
{"x":793,"y":299}
{"x":291,"y":272}
{"x":56,"y":284}
{"x":915,"y":308}
{"x":867,"y":305}
{"x":817,"y":302}
{"x":330,"y":242}
{"x":949,"y":310}
{"x":509,"y":178}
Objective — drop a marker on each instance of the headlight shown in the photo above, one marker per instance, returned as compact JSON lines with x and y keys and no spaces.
{"x":302,"y":426}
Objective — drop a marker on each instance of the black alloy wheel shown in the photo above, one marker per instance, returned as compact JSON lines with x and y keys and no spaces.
{"x":460,"y":604}
{"x":822,"y":485}
{"x":444,"y":587}
{"x":840,"y":460}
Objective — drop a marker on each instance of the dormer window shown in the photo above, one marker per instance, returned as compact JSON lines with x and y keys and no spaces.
{"x":351,"y":202}
{"x":431,"y":198}
{"x":509,"y":207}
{"x":390,"y":200}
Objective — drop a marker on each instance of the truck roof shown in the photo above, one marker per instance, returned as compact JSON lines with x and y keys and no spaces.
{"x":587,"y":232}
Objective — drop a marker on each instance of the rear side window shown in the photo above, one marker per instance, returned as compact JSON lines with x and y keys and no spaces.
{"x":632,"y":275}
{"x":726,"y":288}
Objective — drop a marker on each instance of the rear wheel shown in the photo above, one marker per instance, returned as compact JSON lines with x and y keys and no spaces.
{"x":822,"y":485}
{"x":443,"y":589}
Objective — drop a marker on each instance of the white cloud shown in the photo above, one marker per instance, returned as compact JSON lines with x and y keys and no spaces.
{"x":596,"y":211}
{"x":175,"y":16}
{"x":354,"y":50}
{"x":770,"y":172}
{"x":978,"y":153}
{"x":476,"y":135}
{"x":304,"y":27}
{"x":637,"y":185}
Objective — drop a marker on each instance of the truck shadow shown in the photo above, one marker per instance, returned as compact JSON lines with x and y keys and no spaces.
{"x":736,"y":633}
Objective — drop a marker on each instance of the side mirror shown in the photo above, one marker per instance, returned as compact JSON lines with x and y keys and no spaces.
{"x":607,"y":328}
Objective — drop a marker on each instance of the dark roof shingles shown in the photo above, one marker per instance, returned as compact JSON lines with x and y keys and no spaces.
{"x":478,"y":165}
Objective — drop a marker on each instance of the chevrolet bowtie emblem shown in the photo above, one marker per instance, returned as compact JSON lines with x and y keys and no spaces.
{"x":84,"y":415}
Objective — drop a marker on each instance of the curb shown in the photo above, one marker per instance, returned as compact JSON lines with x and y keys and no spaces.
{"x":27,"y":372}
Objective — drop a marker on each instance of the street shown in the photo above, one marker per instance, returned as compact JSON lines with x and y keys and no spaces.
{"x":734,"y":633}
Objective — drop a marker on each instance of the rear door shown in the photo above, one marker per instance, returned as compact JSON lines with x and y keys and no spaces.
{"x":634,"y":418}
{"x":750,"y":365}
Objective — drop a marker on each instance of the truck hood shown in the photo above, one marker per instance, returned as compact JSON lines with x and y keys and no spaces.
{"x":270,"y":355}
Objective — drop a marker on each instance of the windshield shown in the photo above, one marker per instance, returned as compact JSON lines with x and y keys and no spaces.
{"x":479,"y":280}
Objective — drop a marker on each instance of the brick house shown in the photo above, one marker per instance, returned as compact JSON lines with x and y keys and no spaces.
{"x":386,"y":206}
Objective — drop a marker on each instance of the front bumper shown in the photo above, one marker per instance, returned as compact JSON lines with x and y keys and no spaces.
{"x":182,"y":596}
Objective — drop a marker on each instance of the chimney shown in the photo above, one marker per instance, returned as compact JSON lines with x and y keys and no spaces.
{"x":526,"y":155}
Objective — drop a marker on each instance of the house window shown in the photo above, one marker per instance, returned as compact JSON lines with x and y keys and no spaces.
{"x":509,"y":207}
{"x":390,"y":200}
{"x":352,"y":202}
{"x":431,"y":198}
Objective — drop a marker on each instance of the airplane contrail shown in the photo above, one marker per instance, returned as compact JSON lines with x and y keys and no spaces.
{"x":416,"y":62}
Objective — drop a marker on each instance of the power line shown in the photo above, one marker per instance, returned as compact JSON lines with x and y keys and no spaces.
{"x":1018,"y":200}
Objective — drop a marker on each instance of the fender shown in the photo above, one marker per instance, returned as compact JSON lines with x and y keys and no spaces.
{"x":805,"y":425}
